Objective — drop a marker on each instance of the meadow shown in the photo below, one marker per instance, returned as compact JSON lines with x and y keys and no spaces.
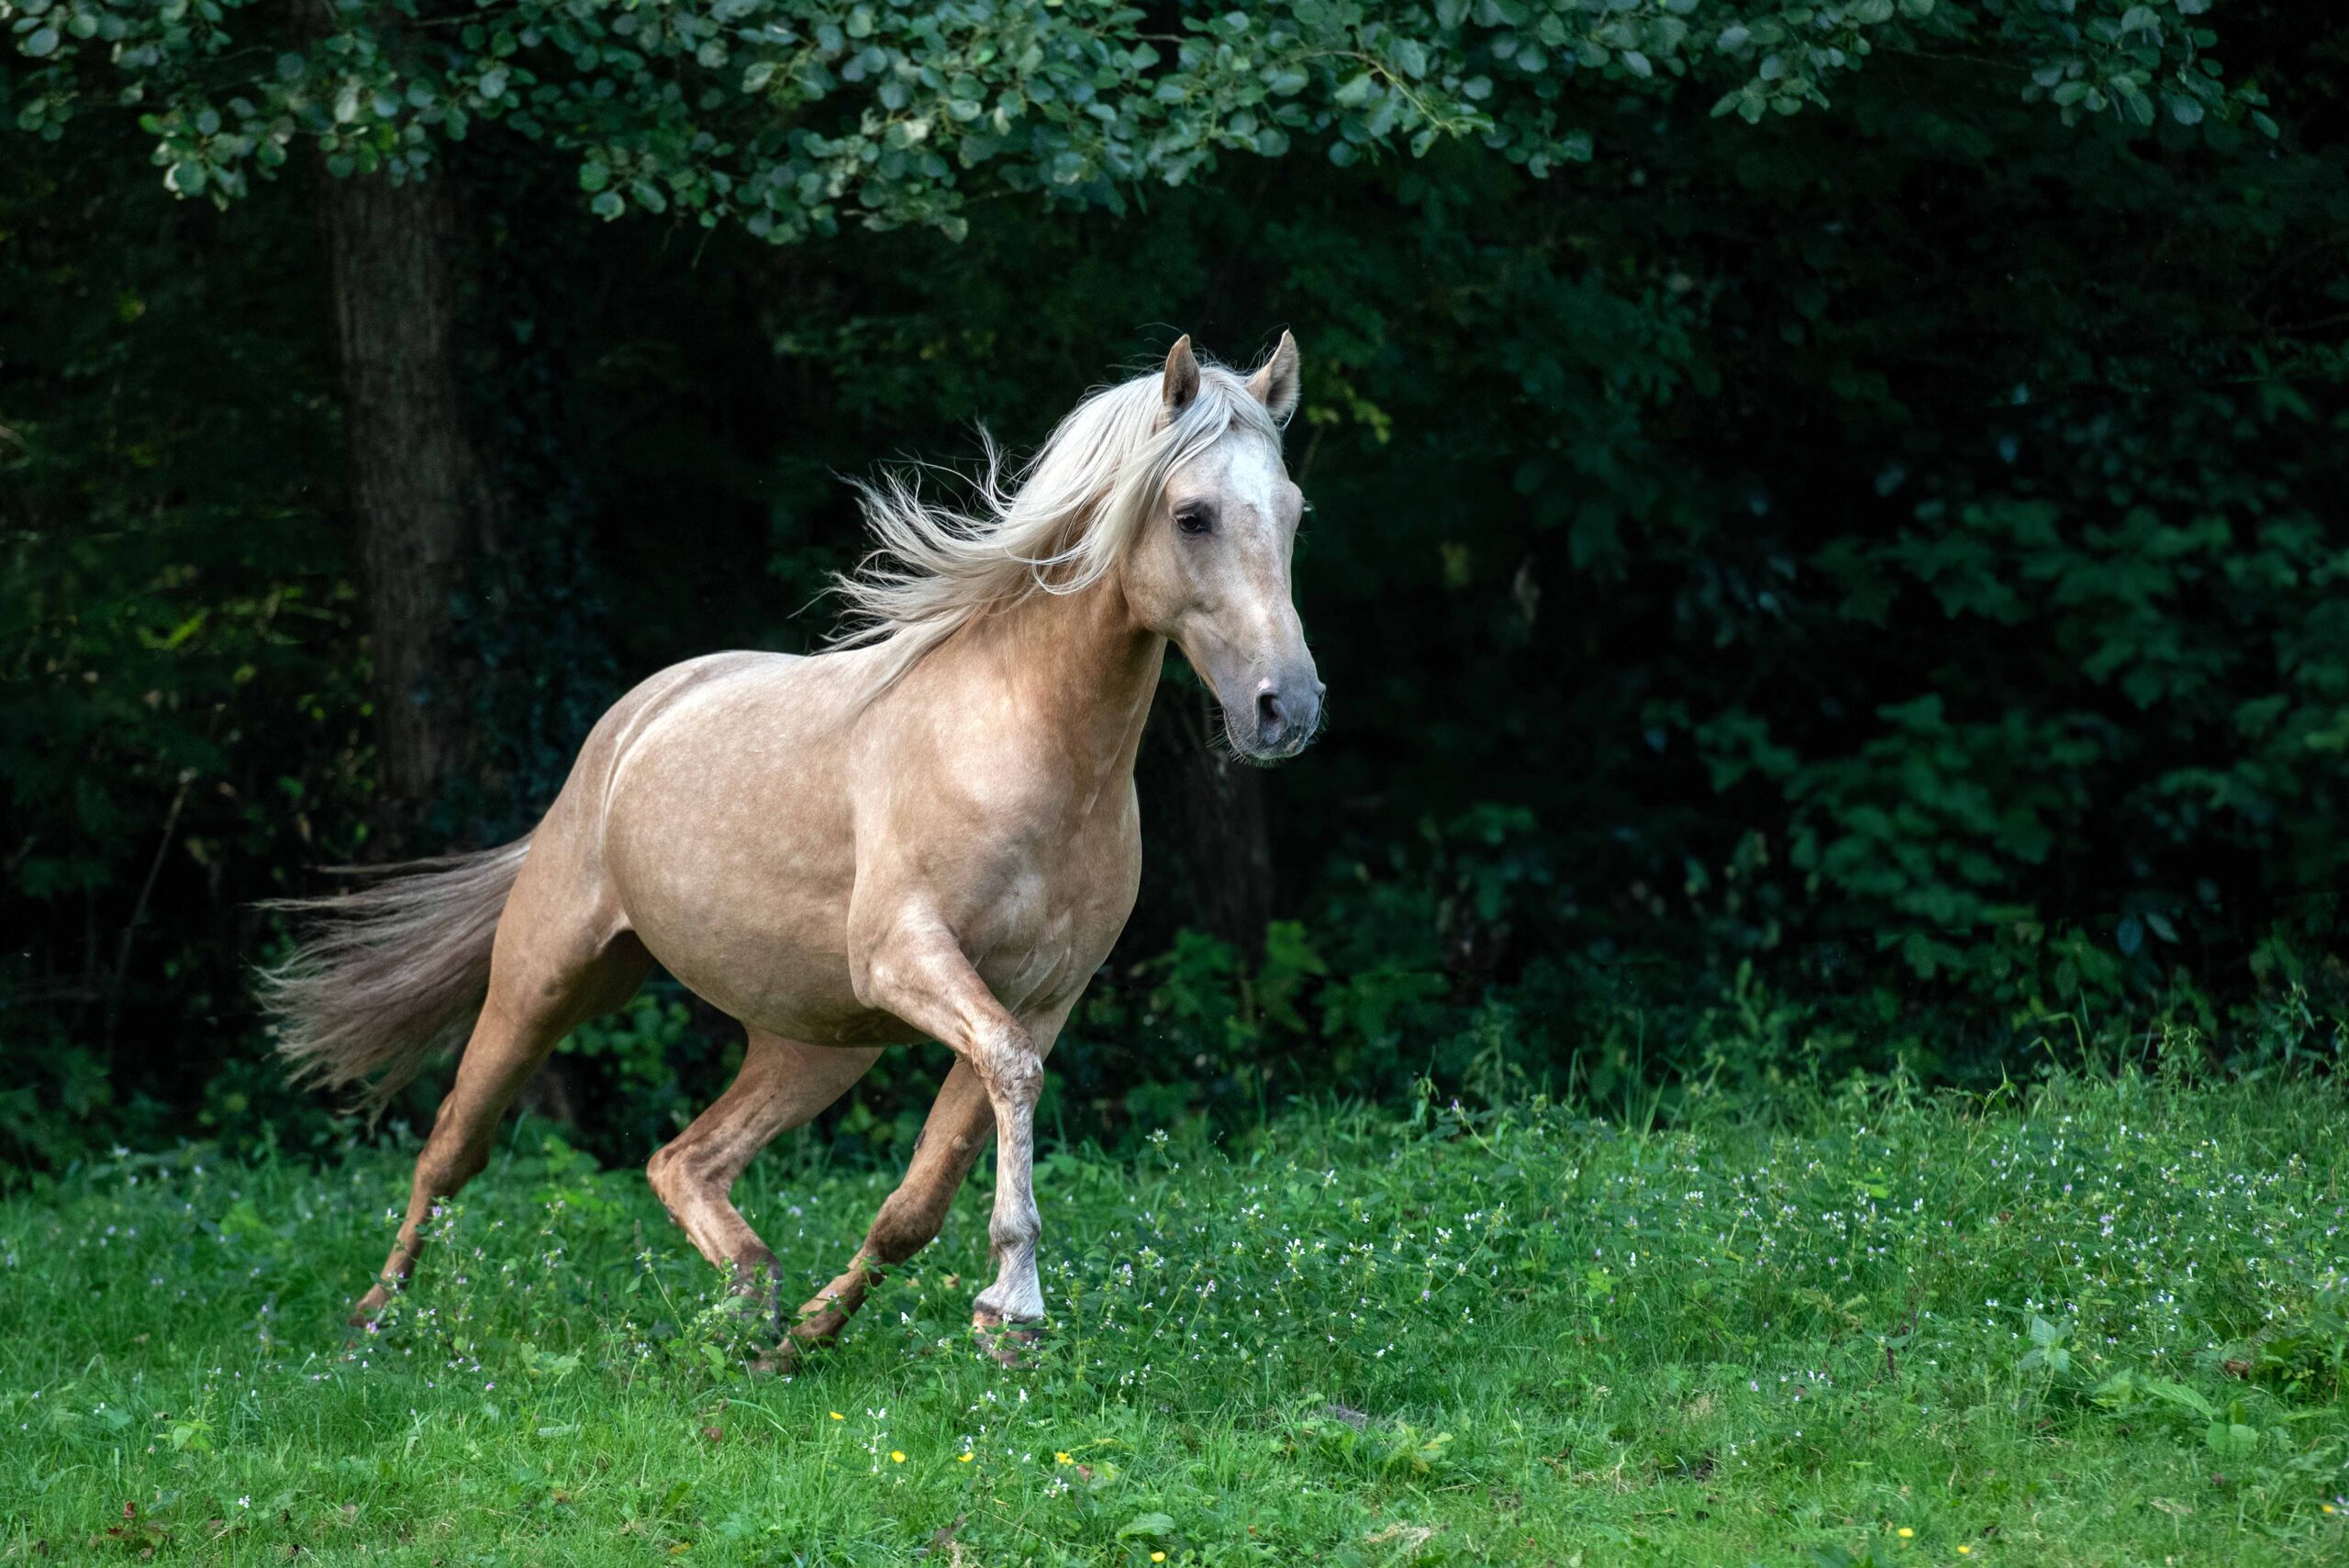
{"x":2093,"y":1319}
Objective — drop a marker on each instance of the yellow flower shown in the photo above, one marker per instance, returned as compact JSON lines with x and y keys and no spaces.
{"x":2331,"y":1509}
{"x":838,"y":1416}
{"x":896,"y":1456}
{"x":1063,"y":1459}
{"x":963,"y":1459}
{"x":1158,"y":1557}
{"x":1904,"y":1532}
{"x":1966,"y":1551}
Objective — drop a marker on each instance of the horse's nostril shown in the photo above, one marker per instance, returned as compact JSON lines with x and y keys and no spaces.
{"x":1268,"y":714}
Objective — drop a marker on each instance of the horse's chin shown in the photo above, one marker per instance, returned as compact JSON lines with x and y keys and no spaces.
{"x":1268,"y":756}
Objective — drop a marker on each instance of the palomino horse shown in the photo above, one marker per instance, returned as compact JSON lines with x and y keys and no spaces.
{"x":927,"y":832}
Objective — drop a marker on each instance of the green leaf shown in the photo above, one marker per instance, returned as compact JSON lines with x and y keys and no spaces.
{"x":2231,"y":1440}
{"x":2177,"y":1394}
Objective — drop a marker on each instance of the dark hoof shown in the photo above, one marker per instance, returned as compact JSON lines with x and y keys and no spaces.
{"x":802,"y":1344}
{"x":1007,"y":1344}
{"x":783,"y":1361}
{"x":369,"y":1310}
{"x":819,"y":1326}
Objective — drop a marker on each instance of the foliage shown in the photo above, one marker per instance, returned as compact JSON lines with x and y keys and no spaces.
{"x":2093,"y":1319}
{"x":1854,"y":587}
{"x":787,"y":116}
{"x":180,"y":711}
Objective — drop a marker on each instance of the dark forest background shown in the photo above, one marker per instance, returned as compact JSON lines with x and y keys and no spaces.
{"x":1868,"y":587}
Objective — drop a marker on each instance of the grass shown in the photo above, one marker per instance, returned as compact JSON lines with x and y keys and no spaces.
{"x":2093,"y":1322}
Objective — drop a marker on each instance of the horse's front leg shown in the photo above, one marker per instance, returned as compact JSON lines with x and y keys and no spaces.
{"x":919,"y":973}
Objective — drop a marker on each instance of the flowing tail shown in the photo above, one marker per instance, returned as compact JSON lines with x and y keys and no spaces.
{"x":392,"y":973}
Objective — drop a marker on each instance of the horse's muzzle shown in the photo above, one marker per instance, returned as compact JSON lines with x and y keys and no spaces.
{"x":1287,"y":716}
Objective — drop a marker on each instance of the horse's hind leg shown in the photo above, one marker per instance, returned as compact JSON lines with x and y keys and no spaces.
{"x":542,"y":984}
{"x":783,"y":1085}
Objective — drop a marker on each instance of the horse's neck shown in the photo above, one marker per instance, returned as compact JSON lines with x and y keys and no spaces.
{"x":1076,"y":664}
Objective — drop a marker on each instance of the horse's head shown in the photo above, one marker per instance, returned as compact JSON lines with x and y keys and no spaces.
{"x":1210,"y":567}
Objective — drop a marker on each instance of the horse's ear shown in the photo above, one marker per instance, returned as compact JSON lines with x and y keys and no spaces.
{"x":1182,"y":383}
{"x":1275,"y":383}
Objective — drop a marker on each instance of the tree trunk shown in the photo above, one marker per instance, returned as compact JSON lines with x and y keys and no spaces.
{"x":417,"y":501}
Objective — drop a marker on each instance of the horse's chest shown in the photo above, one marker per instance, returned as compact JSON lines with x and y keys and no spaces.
{"x":1053,"y":914}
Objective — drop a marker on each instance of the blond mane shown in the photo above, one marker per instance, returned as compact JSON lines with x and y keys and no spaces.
{"x":1058,"y":523}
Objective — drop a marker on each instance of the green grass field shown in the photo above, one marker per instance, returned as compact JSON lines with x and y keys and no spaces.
{"x":2091,"y":1322}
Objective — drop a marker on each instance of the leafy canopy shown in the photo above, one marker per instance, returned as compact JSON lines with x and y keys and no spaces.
{"x":793,"y":116}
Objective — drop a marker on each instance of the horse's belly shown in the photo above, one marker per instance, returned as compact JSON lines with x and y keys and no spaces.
{"x":779,"y":981}
{"x":762,"y":937}
{"x":1035,"y":949}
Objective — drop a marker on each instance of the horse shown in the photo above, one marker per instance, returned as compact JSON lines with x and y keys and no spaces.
{"x":926,"y":830}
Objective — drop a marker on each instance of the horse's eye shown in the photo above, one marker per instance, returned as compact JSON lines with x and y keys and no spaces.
{"x":1195,"y":520}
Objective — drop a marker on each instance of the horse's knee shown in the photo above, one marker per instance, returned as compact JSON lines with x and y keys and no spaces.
{"x":1016,"y":1075}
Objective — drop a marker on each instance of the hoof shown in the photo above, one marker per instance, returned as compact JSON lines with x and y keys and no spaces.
{"x":819,"y":1326}
{"x":803,"y":1341}
{"x":781,"y":1361}
{"x":819,"y":1321}
{"x":369,"y":1310}
{"x":1007,"y":1344}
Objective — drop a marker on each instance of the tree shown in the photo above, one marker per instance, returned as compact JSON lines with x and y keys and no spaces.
{"x":418,"y":493}
{"x":792,"y":117}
